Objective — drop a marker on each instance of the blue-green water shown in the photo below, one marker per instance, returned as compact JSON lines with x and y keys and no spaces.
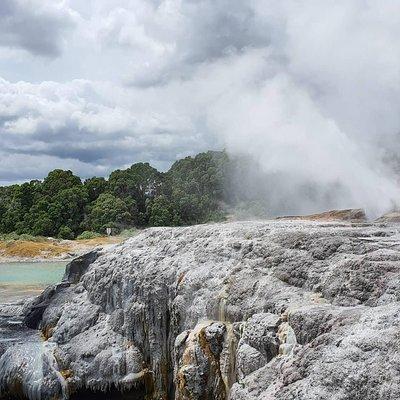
{"x":20,"y":280}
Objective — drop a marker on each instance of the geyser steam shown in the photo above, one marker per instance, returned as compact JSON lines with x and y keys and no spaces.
{"x":318,"y":106}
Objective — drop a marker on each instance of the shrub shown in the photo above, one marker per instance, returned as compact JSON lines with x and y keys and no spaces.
{"x":88,"y":235}
{"x":24,"y":236}
{"x":65,"y":233}
{"x":9,"y":236}
{"x":30,"y":238}
{"x":108,"y":211}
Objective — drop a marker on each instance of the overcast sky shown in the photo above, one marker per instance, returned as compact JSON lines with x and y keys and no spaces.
{"x":310,"y":88}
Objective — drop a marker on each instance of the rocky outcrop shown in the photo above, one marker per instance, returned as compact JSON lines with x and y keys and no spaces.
{"x":350,"y":215}
{"x":73,"y":272}
{"x":390,"y":218}
{"x":248,"y":310}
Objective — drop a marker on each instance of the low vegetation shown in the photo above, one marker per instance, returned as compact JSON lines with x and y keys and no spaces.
{"x":88,"y":235}
{"x":43,"y":248}
{"x":31,"y":249}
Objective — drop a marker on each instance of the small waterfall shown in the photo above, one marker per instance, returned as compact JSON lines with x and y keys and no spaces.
{"x":228,"y":358}
{"x":228,"y":354}
{"x":49,"y":348}
{"x":33,"y":367}
{"x":287,"y":338}
{"x":223,"y":297}
{"x":22,"y":365}
{"x":222,"y":309}
{"x":33,"y":388}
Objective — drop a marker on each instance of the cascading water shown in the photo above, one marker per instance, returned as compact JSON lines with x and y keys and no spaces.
{"x":31,"y":367}
{"x":27,"y":362}
{"x":48,"y":354}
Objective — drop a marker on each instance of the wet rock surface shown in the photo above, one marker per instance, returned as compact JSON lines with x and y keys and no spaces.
{"x":247,"y":310}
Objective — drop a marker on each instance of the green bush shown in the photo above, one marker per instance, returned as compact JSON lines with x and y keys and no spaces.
{"x":88,"y":235}
{"x":161,"y":212}
{"x":65,"y":233}
{"x":9,"y":236}
{"x":108,"y":211}
{"x":26,"y":237}
{"x":31,"y":238}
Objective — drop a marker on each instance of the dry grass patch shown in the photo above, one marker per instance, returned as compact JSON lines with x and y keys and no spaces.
{"x":51,"y":249}
{"x":28,"y":249}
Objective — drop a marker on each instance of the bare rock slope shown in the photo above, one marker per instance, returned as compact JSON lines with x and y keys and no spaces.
{"x":244,"y":311}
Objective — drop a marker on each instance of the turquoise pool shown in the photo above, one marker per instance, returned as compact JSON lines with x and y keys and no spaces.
{"x":20,"y":280}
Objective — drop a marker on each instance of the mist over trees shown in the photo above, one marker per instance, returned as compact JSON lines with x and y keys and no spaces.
{"x":195,"y":190}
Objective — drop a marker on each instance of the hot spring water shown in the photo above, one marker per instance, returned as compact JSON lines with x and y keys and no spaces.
{"x":22,"y":280}
{"x":19,"y":281}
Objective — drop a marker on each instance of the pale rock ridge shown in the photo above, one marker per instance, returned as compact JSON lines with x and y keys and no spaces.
{"x":247,"y":310}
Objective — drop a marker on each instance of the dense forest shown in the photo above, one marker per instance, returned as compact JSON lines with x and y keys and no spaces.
{"x":194,"y":190}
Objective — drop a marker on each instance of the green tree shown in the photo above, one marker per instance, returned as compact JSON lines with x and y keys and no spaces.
{"x":161,"y":212}
{"x":68,"y":209}
{"x":38,"y":212}
{"x":11,"y":218}
{"x":194,"y":190}
{"x":141,"y":182}
{"x":197,"y":185}
{"x":108,"y":211}
{"x":26,"y":194}
{"x":42,"y":225}
{"x":95,"y":187}
{"x":59,"y":180}
{"x":12,"y":209}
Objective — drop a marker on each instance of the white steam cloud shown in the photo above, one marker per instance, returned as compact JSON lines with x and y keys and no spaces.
{"x":320,"y":106}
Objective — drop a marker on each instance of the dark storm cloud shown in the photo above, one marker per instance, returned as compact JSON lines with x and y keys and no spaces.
{"x":83,"y":127}
{"x":35,"y":26}
{"x":90,"y":150}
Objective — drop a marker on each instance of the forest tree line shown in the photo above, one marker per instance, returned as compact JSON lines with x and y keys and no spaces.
{"x":194,"y":190}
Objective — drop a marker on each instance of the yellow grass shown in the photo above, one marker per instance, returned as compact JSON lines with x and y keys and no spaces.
{"x":22,"y":248}
{"x":49,"y":249}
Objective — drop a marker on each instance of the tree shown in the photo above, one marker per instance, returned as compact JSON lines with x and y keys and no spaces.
{"x":108,"y":211}
{"x":161,"y":212}
{"x":11,"y":218}
{"x":198,"y":186}
{"x":58,"y":180}
{"x":68,"y":209}
{"x":141,"y":182}
{"x":26,"y":194}
{"x":95,"y":187}
{"x":194,"y":190}
{"x":42,"y":225}
{"x":37,"y":221}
